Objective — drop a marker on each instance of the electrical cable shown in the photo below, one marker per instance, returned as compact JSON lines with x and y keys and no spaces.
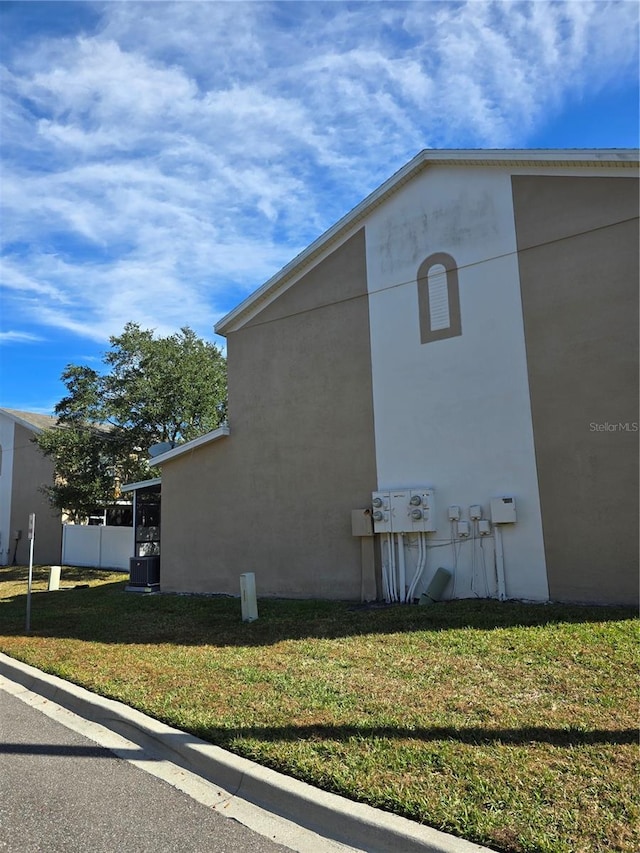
{"x":413,"y":281}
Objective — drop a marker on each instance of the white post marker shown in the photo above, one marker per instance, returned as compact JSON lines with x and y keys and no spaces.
{"x":32,"y":536}
{"x":248,"y":601}
{"x":54,"y":579}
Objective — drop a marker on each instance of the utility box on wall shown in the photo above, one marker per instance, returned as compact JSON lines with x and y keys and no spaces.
{"x":422,"y":510}
{"x":381,"y":512}
{"x":361,"y":524}
{"x":503,"y":510}
{"x":404,"y":511}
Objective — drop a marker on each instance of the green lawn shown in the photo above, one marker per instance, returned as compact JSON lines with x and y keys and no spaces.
{"x":510,"y":725}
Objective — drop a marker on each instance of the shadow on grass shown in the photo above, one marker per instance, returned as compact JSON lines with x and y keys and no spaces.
{"x":106,"y":614}
{"x":473,"y":735}
{"x":18,"y":574}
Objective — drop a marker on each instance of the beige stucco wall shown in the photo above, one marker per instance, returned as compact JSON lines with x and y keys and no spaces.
{"x":578,"y":258}
{"x":275,"y":497}
{"x":31,"y":470}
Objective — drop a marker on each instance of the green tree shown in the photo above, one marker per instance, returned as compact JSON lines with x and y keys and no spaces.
{"x":154,"y":390}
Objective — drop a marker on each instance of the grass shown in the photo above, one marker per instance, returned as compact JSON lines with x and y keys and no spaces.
{"x":511,"y":725}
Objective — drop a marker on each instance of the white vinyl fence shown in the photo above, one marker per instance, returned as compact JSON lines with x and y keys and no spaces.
{"x":97,"y":546}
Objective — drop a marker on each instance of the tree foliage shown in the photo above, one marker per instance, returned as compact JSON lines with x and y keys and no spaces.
{"x":153,"y":390}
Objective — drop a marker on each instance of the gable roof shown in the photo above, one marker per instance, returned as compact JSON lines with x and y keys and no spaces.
{"x":558,"y":158}
{"x":207,"y":438}
{"x":30,"y":420}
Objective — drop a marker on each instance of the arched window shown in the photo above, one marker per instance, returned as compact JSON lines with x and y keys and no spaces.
{"x":438,"y":298}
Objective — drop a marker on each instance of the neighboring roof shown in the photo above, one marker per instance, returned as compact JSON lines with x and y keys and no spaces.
{"x":142,"y":484}
{"x":221,"y":432}
{"x":37,"y":423}
{"x":30,"y":420}
{"x":568,"y":157}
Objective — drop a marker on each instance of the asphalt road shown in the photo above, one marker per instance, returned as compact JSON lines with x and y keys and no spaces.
{"x":63,"y":793}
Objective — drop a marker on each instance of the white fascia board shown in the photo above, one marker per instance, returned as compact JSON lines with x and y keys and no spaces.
{"x":560,"y":157}
{"x":563,"y":156}
{"x":221,"y":432}
{"x":143,"y":484}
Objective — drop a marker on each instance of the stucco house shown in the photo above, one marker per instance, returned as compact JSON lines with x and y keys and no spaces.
{"x":23,"y":471}
{"x":457,"y":359}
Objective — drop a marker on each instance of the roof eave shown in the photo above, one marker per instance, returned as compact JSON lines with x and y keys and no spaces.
{"x":188,"y":446}
{"x":22,"y":422}
{"x":142,"y":484}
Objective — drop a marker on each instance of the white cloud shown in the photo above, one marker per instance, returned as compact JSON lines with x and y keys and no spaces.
{"x":162,"y":165}
{"x":12,"y":337}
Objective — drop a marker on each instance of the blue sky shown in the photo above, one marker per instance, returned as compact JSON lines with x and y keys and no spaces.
{"x":160,"y":161}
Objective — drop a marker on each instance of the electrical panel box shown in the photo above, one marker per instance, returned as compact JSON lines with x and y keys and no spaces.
{"x":361,"y":522}
{"x":484,"y":527}
{"x":454,"y":513}
{"x":422,"y":510}
{"x":381,"y":512}
{"x":403,"y":511}
{"x":503,"y":510}
{"x":475,"y":512}
{"x":400,"y":509}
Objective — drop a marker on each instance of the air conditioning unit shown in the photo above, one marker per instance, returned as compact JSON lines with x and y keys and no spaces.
{"x":144,"y":571}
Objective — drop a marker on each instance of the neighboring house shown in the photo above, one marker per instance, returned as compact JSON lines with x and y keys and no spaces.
{"x":23,"y":471}
{"x":470,"y":328}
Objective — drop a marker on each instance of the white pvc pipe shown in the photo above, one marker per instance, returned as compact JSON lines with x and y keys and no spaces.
{"x":385,"y":571}
{"x":423,"y":565}
{"x":402,"y":571}
{"x":419,"y":568}
{"x":389,"y":576}
{"x":502,"y":594}
{"x":415,"y":574}
{"x":392,"y":571}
